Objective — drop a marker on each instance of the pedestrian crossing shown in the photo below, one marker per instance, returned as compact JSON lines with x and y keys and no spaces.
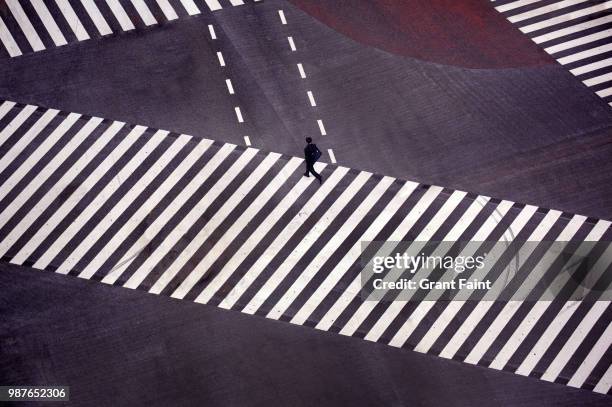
{"x":244,"y":230}
{"x":577,"y":33}
{"x":35,"y":25}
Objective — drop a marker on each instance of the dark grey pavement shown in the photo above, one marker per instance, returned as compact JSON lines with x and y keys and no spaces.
{"x":118,"y":347}
{"x":533,"y":134}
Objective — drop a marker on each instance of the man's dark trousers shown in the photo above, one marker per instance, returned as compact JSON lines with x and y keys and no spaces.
{"x":310,"y":170}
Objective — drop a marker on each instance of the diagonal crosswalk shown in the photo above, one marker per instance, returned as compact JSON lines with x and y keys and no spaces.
{"x":242,"y":229}
{"x":577,"y":33}
{"x":35,"y":25}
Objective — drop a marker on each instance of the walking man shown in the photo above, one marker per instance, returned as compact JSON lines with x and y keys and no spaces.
{"x":312,"y":154}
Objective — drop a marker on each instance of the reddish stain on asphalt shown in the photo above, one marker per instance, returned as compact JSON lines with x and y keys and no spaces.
{"x":467,"y":33}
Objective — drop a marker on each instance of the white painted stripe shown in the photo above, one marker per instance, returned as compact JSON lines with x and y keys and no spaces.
{"x":281,"y":14}
{"x":353,"y":254}
{"x":253,"y":240}
{"x":579,"y":41}
{"x":97,"y":17}
{"x":512,"y":307}
{"x":572,"y":29}
{"x":6,"y":107}
{"x":281,"y":272}
{"x":236,"y":2}
{"x":220,"y":57}
{"x":230,"y":88}
{"x":553,"y":330}
{"x":301,"y":69}
{"x":592,"y":67}
{"x":144,"y":12}
{"x":291,"y":44}
{"x":190,"y":6}
{"x":321,"y":127}
{"x":442,"y":321}
{"x":16,"y":123}
{"x":398,"y":234}
{"x":454,"y":307}
{"x":8,"y":41}
{"x":544,"y":10}
{"x":27,"y":138}
{"x":311,"y":99}
{"x":538,"y":309}
{"x":598,"y":79}
{"x":415,"y":247}
{"x":101,"y":198}
{"x":236,"y":228}
{"x":123,"y":204}
{"x":239,"y":114}
{"x":153,"y":229}
{"x":48,"y":170}
{"x":328,"y":250}
{"x":211,"y":225}
{"x":574,"y":341}
{"x":213,"y":5}
{"x":605,"y":92}
{"x":187,"y":222}
{"x":73,"y":21}
{"x":515,"y":4}
{"x":49,"y":23}
{"x":566,"y":17}
{"x":17,"y":175}
{"x":120,"y":15}
{"x":588,"y":364}
{"x":332,"y":157}
{"x":54,"y":192}
{"x":211,"y":30}
{"x":585,"y":54}
{"x":283,"y":237}
{"x":247,"y":140}
{"x":167,"y":9}
{"x":25,"y":25}
{"x":177,"y":174}
{"x":72,"y":201}
{"x":605,"y":382}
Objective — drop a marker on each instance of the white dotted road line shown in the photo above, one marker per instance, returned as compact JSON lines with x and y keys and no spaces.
{"x":321,"y":127}
{"x":230,"y":88}
{"x":291,"y":44}
{"x":228,"y":82}
{"x":311,"y":99}
{"x":282,"y":17}
{"x":302,"y":72}
{"x":221,"y":60}
{"x":332,"y":157}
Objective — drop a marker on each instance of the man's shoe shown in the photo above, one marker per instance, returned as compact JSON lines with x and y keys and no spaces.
{"x":307,"y":175}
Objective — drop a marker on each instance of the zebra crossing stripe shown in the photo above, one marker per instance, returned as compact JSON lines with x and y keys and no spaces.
{"x":86,"y":214}
{"x":398,"y":234}
{"x":244,"y":230}
{"x":36,"y":156}
{"x":26,"y":26}
{"x":49,"y":23}
{"x":570,"y":34}
{"x":353,"y":254}
{"x":14,"y":125}
{"x":129,"y":226}
{"x":72,"y":19}
{"x":283,"y":237}
{"x":332,"y":245}
{"x":233,"y":230}
{"x":54,"y":192}
{"x":511,"y":307}
{"x":212,"y":225}
{"x":248,"y":246}
{"x":156,"y":226}
{"x":27,"y":20}
{"x":94,"y":13}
